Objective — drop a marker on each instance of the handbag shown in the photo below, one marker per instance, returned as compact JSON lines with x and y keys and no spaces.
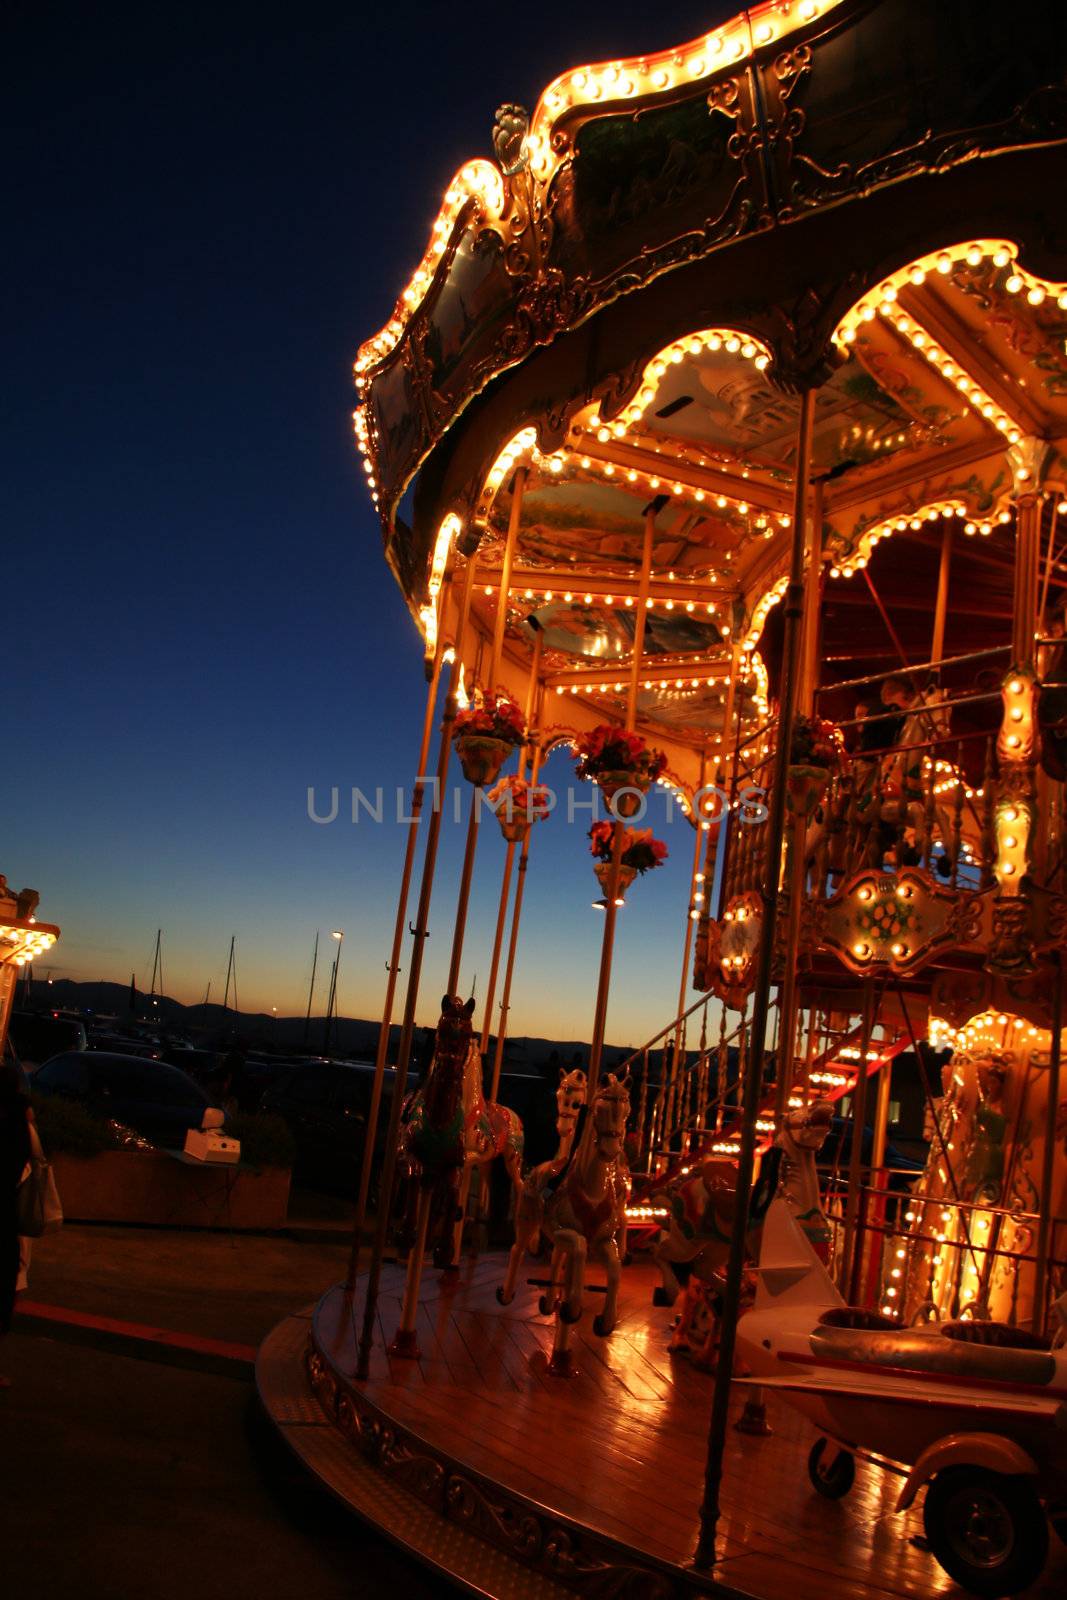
{"x":37,"y":1205}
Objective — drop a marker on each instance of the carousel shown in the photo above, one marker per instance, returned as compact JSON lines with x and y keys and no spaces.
{"x":719,"y":442}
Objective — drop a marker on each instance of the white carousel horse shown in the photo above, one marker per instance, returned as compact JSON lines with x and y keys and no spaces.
{"x":694,"y":1248}
{"x":584,"y":1215}
{"x":570,"y":1098}
{"x":489,"y":1130}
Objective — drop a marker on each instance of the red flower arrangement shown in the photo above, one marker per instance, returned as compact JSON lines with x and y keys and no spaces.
{"x":640,"y":851}
{"x":514,"y":798}
{"x":492,"y":716}
{"x":817,"y":743}
{"x":611,"y":750}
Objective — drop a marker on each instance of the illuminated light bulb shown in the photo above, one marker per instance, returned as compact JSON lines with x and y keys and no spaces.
{"x":1036,"y":295}
{"x":1001,"y":257}
{"x":1013,"y":284}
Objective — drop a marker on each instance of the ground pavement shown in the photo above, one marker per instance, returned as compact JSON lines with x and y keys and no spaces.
{"x":129,"y":1478}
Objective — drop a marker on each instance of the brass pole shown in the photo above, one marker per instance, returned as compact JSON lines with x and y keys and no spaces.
{"x":516,"y":913}
{"x":813,"y":580}
{"x":1048,"y":1160}
{"x":419,"y":935}
{"x":604,"y":980}
{"x":852,"y":1247}
{"x":1027,"y":535}
{"x":797,"y":827}
{"x":370,"y":1132}
{"x":1048,"y":565}
{"x":687,"y":946}
{"x":792,"y":614}
{"x":500,"y":622}
{"x":509,"y":858}
{"x":937,"y":648}
{"x":459,"y":923}
{"x":499,"y":625}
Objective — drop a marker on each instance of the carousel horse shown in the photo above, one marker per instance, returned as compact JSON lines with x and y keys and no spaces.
{"x":583,"y":1212}
{"x":570,"y":1098}
{"x":702,"y":1207}
{"x":448,"y":1127}
{"x":489,"y":1130}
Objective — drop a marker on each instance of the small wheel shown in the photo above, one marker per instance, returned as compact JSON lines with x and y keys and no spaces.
{"x":832,"y":1477}
{"x":662,"y":1296}
{"x":545,"y":1305}
{"x":567,"y":1315}
{"x":503,"y":1299}
{"x":986,"y":1529}
{"x":600,"y":1327}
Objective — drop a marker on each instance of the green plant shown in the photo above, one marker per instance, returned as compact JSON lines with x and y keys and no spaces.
{"x":265,"y":1140}
{"x":67,"y":1128}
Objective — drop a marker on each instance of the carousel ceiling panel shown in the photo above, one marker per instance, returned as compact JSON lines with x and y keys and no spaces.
{"x":571,"y":520}
{"x":600,"y":635}
{"x":1017,"y":336}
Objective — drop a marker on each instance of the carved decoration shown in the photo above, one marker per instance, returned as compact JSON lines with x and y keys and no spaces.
{"x":733,"y":949}
{"x":900,"y":921}
{"x":594,"y":1567}
{"x":957,"y":997}
{"x":1011,"y":953}
{"x":509,"y":139}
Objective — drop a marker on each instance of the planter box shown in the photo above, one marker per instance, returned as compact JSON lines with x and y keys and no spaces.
{"x":154,"y":1189}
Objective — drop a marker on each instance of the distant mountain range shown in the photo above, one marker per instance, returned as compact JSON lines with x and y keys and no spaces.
{"x":355,"y":1037}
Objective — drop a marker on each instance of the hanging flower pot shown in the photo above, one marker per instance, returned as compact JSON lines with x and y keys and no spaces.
{"x":603,"y":876}
{"x":805,"y":787}
{"x":485,"y":733}
{"x":481,"y":756}
{"x":518,"y":805}
{"x":613,"y":786}
{"x":617,"y":760}
{"x":639,"y":853}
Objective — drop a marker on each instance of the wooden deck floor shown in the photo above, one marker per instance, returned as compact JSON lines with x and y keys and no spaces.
{"x":620,"y":1448}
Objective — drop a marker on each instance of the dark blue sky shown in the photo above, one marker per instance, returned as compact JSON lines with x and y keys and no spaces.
{"x":209,"y":208}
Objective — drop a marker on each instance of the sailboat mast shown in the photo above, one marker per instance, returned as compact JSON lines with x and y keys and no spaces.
{"x":311,"y":987}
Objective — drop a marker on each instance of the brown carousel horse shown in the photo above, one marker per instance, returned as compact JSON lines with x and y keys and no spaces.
{"x":583,"y":1212}
{"x":448,"y":1128}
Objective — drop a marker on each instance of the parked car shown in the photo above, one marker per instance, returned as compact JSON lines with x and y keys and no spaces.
{"x":325,"y":1106}
{"x":199,"y":1064}
{"x":37,"y":1035}
{"x":154,"y":1099}
{"x":118,"y":1044}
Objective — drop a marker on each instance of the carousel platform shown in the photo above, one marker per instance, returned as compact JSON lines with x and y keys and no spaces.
{"x":514,"y":1483}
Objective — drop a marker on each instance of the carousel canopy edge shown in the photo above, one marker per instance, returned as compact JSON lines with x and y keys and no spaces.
{"x":629,"y":171}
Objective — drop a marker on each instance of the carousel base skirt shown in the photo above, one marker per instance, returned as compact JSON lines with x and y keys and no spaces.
{"x":514,"y":1482}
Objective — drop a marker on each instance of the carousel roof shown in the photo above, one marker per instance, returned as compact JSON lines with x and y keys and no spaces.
{"x":568,"y":320}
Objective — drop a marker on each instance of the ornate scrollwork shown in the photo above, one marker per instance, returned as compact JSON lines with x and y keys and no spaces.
{"x":519,"y":1533}
{"x":564,"y":1558}
{"x":800,"y":334}
{"x":545,"y":306}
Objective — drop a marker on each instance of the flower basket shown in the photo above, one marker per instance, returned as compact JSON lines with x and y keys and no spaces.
{"x":485,"y":733}
{"x":805,"y":787}
{"x":612,"y":784}
{"x":615,"y":760}
{"x":518,"y":805}
{"x":640,"y":853}
{"x":481,"y":756}
{"x":603,"y":877}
